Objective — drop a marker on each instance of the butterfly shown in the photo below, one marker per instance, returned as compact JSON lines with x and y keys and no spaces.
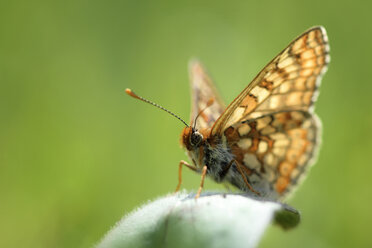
{"x":265,"y":140}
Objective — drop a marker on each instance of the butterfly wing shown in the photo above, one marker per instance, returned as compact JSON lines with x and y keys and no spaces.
{"x":270,"y":126}
{"x":289,"y":82}
{"x":203,"y":94}
{"x":275,"y":150}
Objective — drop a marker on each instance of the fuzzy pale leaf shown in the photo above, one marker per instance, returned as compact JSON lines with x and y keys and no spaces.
{"x":213,"y":220}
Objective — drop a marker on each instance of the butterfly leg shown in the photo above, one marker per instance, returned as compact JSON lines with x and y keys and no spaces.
{"x":238,"y":166}
{"x":182,"y":162}
{"x":203,"y":174}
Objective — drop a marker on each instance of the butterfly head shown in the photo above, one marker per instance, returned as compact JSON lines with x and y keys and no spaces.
{"x":191,"y":138}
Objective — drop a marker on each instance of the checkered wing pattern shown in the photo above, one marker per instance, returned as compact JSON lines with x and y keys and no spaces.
{"x":270,"y":126}
{"x":289,"y":82}
{"x":275,"y":149}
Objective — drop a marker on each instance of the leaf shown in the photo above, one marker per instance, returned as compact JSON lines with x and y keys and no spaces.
{"x":213,"y":220}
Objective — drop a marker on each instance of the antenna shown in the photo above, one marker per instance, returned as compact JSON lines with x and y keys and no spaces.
{"x":132,"y":94}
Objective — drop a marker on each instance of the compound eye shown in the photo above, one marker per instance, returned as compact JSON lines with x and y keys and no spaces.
{"x":196,"y":138}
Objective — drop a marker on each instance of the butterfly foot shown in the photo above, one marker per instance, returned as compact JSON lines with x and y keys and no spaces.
{"x":198,"y":193}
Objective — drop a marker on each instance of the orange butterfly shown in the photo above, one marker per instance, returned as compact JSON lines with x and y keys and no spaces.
{"x":265,"y":140}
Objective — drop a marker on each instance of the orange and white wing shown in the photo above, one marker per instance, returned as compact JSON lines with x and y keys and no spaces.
{"x":289,"y":82}
{"x":203,"y":94}
{"x":275,"y":150}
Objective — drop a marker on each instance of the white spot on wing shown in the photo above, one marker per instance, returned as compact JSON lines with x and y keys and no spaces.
{"x":260,"y":93}
{"x":244,"y":129}
{"x":245,"y":143}
{"x":250,"y":160}
{"x":262,"y":147}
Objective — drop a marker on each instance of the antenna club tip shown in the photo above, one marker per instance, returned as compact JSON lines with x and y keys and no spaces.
{"x":131,"y":93}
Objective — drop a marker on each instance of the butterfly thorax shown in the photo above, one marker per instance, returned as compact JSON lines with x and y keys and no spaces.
{"x":215,"y":154}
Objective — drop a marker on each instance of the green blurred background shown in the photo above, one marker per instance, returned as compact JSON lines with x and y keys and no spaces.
{"x":76,"y":153}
